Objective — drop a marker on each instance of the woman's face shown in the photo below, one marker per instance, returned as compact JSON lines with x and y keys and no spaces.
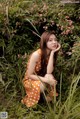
{"x":52,"y":42}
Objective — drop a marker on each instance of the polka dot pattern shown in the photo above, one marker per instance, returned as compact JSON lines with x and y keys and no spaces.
{"x":32,"y":91}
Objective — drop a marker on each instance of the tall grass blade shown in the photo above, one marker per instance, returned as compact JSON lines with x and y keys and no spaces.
{"x":32,"y":25}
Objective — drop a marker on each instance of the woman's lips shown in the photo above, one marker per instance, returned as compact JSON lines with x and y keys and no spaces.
{"x":54,"y":46}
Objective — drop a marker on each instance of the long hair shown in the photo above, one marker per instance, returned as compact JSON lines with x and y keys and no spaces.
{"x":43,"y":46}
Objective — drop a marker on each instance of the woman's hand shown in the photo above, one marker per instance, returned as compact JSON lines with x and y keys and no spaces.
{"x":50,"y":79}
{"x":57,"y":49}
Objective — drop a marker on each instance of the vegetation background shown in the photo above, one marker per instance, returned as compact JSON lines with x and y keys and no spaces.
{"x":21,"y":24}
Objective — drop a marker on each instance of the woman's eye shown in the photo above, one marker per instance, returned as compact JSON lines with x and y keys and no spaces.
{"x":50,"y":40}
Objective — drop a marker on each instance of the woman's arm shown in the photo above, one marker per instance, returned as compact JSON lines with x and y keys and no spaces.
{"x":50,"y":79}
{"x":50,"y":66}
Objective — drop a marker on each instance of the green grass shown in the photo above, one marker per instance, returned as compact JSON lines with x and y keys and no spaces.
{"x":69,"y":109}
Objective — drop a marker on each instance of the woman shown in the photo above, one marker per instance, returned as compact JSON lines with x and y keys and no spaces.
{"x":40,"y":68}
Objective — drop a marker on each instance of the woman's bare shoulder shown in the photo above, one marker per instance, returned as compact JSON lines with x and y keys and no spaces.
{"x":35,"y":55}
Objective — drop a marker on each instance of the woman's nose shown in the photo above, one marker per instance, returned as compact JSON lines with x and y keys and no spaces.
{"x":54,"y":42}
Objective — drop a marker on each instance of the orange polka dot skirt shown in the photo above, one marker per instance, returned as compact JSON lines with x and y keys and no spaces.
{"x":32,"y":88}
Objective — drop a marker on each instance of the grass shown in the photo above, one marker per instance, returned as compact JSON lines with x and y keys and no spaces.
{"x":69,"y":109}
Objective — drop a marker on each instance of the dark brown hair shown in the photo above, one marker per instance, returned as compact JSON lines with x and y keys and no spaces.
{"x":44,"y":39}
